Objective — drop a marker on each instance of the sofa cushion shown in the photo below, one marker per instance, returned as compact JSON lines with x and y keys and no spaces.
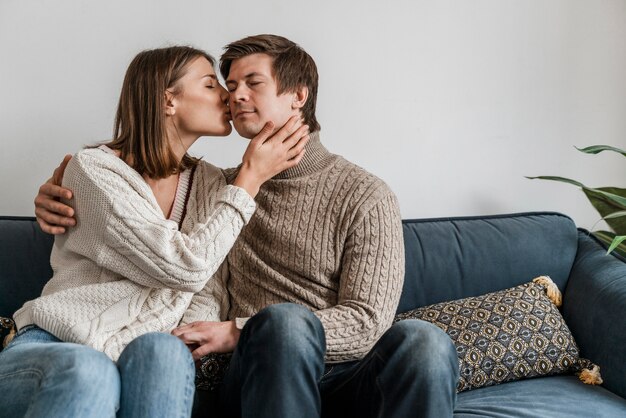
{"x":507,"y":335}
{"x":554,"y":397}
{"x":454,"y":258}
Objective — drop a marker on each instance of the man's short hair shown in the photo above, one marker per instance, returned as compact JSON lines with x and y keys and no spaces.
{"x":292,"y":67}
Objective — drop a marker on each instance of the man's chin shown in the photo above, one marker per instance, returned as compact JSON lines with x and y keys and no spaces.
{"x":247,"y":130}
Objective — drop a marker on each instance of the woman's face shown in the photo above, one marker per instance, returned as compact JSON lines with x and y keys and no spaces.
{"x":201,"y":106}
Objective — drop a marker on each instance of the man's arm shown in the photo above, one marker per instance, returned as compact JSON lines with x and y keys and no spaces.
{"x":53,"y":216}
{"x":372,"y":274}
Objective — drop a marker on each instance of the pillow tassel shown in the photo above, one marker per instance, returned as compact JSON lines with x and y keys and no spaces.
{"x":591,"y":376}
{"x":552,"y":290}
{"x":9,"y":337}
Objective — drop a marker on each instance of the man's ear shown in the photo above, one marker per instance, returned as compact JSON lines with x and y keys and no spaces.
{"x":299,"y":98}
{"x":170,"y":103}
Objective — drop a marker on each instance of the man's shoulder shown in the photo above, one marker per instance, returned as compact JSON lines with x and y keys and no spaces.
{"x":358,"y":178}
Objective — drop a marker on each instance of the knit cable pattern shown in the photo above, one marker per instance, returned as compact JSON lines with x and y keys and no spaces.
{"x":124,"y":269}
{"x":327,"y":236}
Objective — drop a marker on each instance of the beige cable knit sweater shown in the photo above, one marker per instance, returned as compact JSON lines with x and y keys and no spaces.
{"x":326,"y":235}
{"x":125,"y":270}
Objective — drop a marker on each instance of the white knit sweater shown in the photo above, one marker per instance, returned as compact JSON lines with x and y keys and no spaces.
{"x":125,"y":270}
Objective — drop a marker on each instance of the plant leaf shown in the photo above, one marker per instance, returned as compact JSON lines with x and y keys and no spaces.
{"x":595,"y":149}
{"x":556,"y":178}
{"x":615,"y":215}
{"x":607,"y":207}
{"x":616,"y":241}
{"x":607,"y":238}
{"x":614,"y":194}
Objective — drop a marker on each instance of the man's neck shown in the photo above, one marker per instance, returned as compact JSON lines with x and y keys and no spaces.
{"x":316,"y":157}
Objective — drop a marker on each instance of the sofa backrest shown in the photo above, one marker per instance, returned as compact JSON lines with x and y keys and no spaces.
{"x":454,"y":258}
{"x":24,"y":262}
{"x":448,"y":258}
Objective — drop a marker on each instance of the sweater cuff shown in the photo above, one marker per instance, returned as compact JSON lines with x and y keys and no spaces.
{"x":23,"y":317}
{"x":241,"y":322}
{"x":238,"y":198}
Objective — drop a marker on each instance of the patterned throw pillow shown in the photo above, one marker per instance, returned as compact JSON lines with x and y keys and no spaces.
{"x":212,"y":370}
{"x":7,"y":331}
{"x":508,"y":335}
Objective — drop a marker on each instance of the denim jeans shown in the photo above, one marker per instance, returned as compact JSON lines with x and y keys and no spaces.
{"x":278,"y":370}
{"x":41,"y":376}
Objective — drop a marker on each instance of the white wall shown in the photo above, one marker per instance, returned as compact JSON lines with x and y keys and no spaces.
{"x":452,"y":103}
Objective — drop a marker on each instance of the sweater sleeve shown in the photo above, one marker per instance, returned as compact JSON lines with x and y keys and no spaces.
{"x":211,"y":303}
{"x":137,"y":242}
{"x":372,"y":274}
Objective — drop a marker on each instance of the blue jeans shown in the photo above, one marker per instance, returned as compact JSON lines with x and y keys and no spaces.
{"x":278,"y":370}
{"x":41,"y":376}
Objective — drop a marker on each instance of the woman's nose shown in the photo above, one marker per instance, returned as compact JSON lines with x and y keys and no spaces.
{"x":224,"y":95}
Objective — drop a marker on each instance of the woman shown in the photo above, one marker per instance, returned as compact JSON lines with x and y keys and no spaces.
{"x":153,"y":225}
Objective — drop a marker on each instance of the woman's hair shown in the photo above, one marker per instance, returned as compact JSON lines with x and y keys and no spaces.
{"x":139,"y":133}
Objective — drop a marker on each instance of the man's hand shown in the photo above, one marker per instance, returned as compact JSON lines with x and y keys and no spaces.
{"x":205,"y":337}
{"x":53,"y":215}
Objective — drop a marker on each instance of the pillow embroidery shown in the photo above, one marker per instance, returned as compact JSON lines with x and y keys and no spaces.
{"x":508,"y":335}
{"x":213,"y":368}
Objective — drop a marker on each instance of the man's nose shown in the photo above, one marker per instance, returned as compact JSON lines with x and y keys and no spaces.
{"x":239,"y":94}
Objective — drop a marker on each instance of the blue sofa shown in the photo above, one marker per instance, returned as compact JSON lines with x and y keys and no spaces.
{"x":452,"y":258}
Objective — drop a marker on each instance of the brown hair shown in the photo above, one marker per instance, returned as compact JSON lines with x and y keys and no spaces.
{"x":292,"y":67}
{"x":139,"y":132}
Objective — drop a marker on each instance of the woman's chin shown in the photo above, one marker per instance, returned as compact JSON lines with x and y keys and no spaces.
{"x":224,"y":131}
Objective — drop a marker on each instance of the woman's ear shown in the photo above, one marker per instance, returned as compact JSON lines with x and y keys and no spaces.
{"x":170,"y":103}
{"x":299,"y":98}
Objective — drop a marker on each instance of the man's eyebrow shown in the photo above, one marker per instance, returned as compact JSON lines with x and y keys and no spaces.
{"x":249,"y":75}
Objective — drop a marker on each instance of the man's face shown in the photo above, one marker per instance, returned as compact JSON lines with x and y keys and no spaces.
{"x":253,"y":96}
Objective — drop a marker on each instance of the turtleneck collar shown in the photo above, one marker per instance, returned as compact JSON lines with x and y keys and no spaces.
{"x":315,"y":158}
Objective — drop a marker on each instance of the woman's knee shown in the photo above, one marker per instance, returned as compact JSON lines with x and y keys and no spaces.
{"x":156,"y":368}
{"x":88,"y":370}
{"x":66,"y":379}
{"x":156,"y":347}
{"x":75,"y":364}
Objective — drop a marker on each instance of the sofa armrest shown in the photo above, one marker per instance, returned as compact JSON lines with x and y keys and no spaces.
{"x":594,"y":308}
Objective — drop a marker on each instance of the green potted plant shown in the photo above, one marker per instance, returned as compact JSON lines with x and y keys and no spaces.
{"x":610,"y":202}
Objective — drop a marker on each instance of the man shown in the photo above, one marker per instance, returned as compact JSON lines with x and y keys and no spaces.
{"x":307,"y":296}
